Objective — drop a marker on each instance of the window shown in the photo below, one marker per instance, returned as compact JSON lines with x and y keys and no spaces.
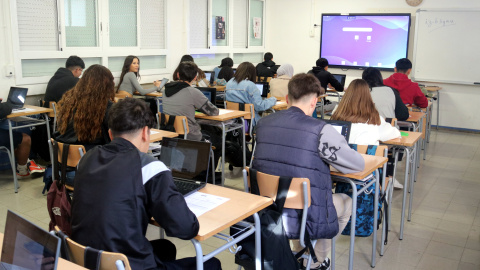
{"x":123,"y":23}
{"x":81,"y":23}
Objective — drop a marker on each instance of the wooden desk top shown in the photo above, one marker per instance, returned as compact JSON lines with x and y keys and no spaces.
{"x":152,"y":94}
{"x":408,"y":141}
{"x":30,"y":110}
{"x":371,"y":164}
{"x":224,"y":115}
{"x":415,"y":116}
{"x":280,"y":105}
{"x":220,"y":88}
{"x":433,"y":88}
{"x":157,"y":135}
{"x":62,"y":264}
{"x":240,"y":206}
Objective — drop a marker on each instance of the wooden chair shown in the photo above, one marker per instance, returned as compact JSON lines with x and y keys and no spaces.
{"x":180,"y":124}
{"x":264,"y":79}
{"x":108,"y":260}
{"x":298,"y":197}
{"x":73,"y":156}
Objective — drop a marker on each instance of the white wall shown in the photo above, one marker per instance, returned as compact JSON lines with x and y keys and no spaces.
{"x":289,"y":23}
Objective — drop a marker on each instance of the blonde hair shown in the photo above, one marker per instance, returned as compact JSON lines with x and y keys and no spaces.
{"x":357,"y":105}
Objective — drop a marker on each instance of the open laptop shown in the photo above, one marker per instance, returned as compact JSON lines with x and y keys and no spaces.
{"x":188,"y":161}
{"x":340,"y":78}
{"x":16,"y":97}
{"x":343,"y":127}
{"x":263,"y":87}
{"x":162,"y":84}
{"x":209,"y":92}
{"x":27,"y":246}
{"x":210,"y":76}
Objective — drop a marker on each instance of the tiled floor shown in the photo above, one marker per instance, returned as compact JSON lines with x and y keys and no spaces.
{"x":444,"y":232}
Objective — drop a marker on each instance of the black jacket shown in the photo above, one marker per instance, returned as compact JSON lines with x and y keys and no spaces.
{"x":118,"y":189}
{"x":267,"y":69}
{"x":326,"y":78}
{"x":61,"y":82}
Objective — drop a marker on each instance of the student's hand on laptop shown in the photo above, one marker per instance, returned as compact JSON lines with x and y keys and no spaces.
{"x":329,"y":86}
{"x":157,"y":83}
{"x":47,"y":263}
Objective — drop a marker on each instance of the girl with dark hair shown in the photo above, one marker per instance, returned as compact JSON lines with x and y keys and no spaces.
{"x":387,"y":100}
{"x":242,"y":89}
{"x":130,"y":76}
{"x":83,"y":110}
{"x":357,"y":107}
{"x":226,"y":62}
{"x":225,"y":75}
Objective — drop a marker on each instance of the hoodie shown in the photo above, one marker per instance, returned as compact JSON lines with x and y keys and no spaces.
{"x":409,"y":91}
{"x":326,"y":78}
{"x":61,"y":82}
{"x":266,"y":69}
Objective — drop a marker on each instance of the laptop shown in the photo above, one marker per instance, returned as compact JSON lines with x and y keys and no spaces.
{"x":340,"y":78}
{"x":188,"y":161}
{"x":263,"y":87}
{"x":16,"y":97}
{"x":210,"y":76}
{"x":343,"y":127}
{"x":26,"y":246}
{"x":162,"y":84}
{"x":209,"y":92}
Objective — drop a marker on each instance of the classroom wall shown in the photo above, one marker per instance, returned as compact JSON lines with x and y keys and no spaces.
{"x":290,"y":23}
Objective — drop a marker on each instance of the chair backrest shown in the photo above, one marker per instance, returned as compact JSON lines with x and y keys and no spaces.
{"x":180,"y":125}
{"x":108,"y":260}
{"x":236,"y":106}
{"x":268,"y":186}
{"x":264,"y":79}
{"x":392,"y":121}
{"x":123,"y":94}
{"x":74,"y":156}
{"x":380,"y":152}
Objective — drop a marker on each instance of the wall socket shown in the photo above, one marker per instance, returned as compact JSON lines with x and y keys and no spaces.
{"x":9,"y":70}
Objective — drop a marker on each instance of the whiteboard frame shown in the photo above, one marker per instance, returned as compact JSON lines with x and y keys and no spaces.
{"x":416,"y":42}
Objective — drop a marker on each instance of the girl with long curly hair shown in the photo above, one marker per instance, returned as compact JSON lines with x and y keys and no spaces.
{"x":83,"y":110}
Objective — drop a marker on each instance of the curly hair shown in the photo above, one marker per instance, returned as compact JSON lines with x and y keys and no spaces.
{"x":86,"y":103}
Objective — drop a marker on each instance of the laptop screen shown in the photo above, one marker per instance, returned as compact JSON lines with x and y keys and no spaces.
{"x":263,"y":88}
{"x":209,"y":92}
{"x":17,"y":96}
{"x":26,"y":246}
{"x":210,"y":76}
{"x":186,"y":159}
{"x":340,"y":78}
{"x":343,"y":127}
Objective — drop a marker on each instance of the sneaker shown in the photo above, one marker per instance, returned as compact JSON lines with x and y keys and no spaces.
{"x":23,"y":173}
{"x":34,"y":167}
{"x":325,"y":265}
{"x":397,"y":184}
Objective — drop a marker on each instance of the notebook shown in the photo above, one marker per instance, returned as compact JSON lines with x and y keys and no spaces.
{"x":26,"y":246}
{"x":343,"y":127}
{"x":340,"y":78}
{"x":188,"y":161}
{"x":263,"y":87}
{"x":17,"y":96}
{"x":209,"y":92}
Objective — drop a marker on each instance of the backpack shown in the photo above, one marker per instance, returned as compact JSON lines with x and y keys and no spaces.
{"x":276,"y":252}
{"x":234,"y":149}
{"x":365,"y":201}
{"x":167,"y":125}
{"x":58,"y":199}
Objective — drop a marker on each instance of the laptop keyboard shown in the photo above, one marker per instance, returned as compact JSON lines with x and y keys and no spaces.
{"x":185,"y":187}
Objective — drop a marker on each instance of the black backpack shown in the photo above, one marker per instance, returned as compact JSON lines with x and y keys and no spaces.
{"x":167,"y":125}
{"x":276,"y":252}
{"x":234,"y":149}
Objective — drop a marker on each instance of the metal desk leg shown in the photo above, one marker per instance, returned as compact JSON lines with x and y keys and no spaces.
{"x":412,"y":181}
{"x":244,"y":144}
{"x":405,"y":190}
{"x":332,"y":265}
{"x":199,"y":254}
{"x":438,"y":108}
{"x":375,"y":216}
{"x":352,"y":224}
{"x":224,"y":134}
{"x":258,"y":242}
{"x":12,"y":155}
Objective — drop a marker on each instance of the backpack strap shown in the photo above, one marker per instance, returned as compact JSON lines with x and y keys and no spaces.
{"x":282,"y":191}
{"x":253,"y":182}
{"x":241,"y":106}
{"x":92,"y":258}
{"x":63,"y":177}
{"x":167,"y":125}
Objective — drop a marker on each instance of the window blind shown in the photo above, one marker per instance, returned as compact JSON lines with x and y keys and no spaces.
{"x":152,"y":20}
{"x":240,"y":23}
{"x":198,"y":24}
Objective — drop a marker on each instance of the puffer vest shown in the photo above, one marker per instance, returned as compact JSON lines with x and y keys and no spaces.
{"x":287,"y":145}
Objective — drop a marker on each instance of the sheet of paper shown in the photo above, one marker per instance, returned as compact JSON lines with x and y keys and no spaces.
{"x":224,"y":111}
{"x":200,"y":203}
{"x":280,"y":103}
{"x":23,"y":110}
{"x":153,"y":132}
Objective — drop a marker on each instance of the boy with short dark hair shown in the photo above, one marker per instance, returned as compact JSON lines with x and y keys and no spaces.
{"x":267,"y":68}
{"x":410,"y":92}
{"x":64,"y":79}
{"x":324,"y":76}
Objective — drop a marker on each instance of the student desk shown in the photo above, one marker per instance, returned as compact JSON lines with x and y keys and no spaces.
{"x":222,"y":118}
{"x":416,"y":119}
{"x":61,"y":265}
{"x":280,"y":105}
{"x":220,"y":88}
{"x":372,"y":163}
{"x":427,"y":124}
{"x":20,"y":117}
{"x":409,"y":144}
{"x":239,"y":206}
{"x":320,"y":103}
{"x":155,"y":94}
{"x":157,"y":134}
{"x":436,"y":95}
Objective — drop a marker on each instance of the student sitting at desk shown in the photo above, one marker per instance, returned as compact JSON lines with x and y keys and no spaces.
{"x":267,"y":68}
{"x":83,"y":111}
{"x":226,"y":62}
{"x":224,"y":76}
{"x":387,"y":100}
{"x":292,"y":143}
{"x":279,"y":85}
{"x":64,"y":79}
{"x":242,"y":89}
{"x":324,"y":76}
{"x":410,"y":92}
{"x":119,"y":188}
{"x":129,"y":78}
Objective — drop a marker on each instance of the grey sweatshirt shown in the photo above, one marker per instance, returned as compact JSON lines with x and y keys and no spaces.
{"x":130,"y":84}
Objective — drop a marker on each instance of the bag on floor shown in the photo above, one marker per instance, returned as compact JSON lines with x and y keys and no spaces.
{"x":365,"y":202}
{"x":276,"y":252}
{"x":234,"y":149}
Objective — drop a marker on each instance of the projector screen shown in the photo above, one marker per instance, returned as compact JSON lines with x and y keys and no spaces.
{"x":364,"y":40}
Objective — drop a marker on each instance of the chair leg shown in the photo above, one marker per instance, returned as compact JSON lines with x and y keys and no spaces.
{"x":332,"y":261}
{"x":239,"y":267}
{"x":213,"y":166}
{"x":309,"y":260}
